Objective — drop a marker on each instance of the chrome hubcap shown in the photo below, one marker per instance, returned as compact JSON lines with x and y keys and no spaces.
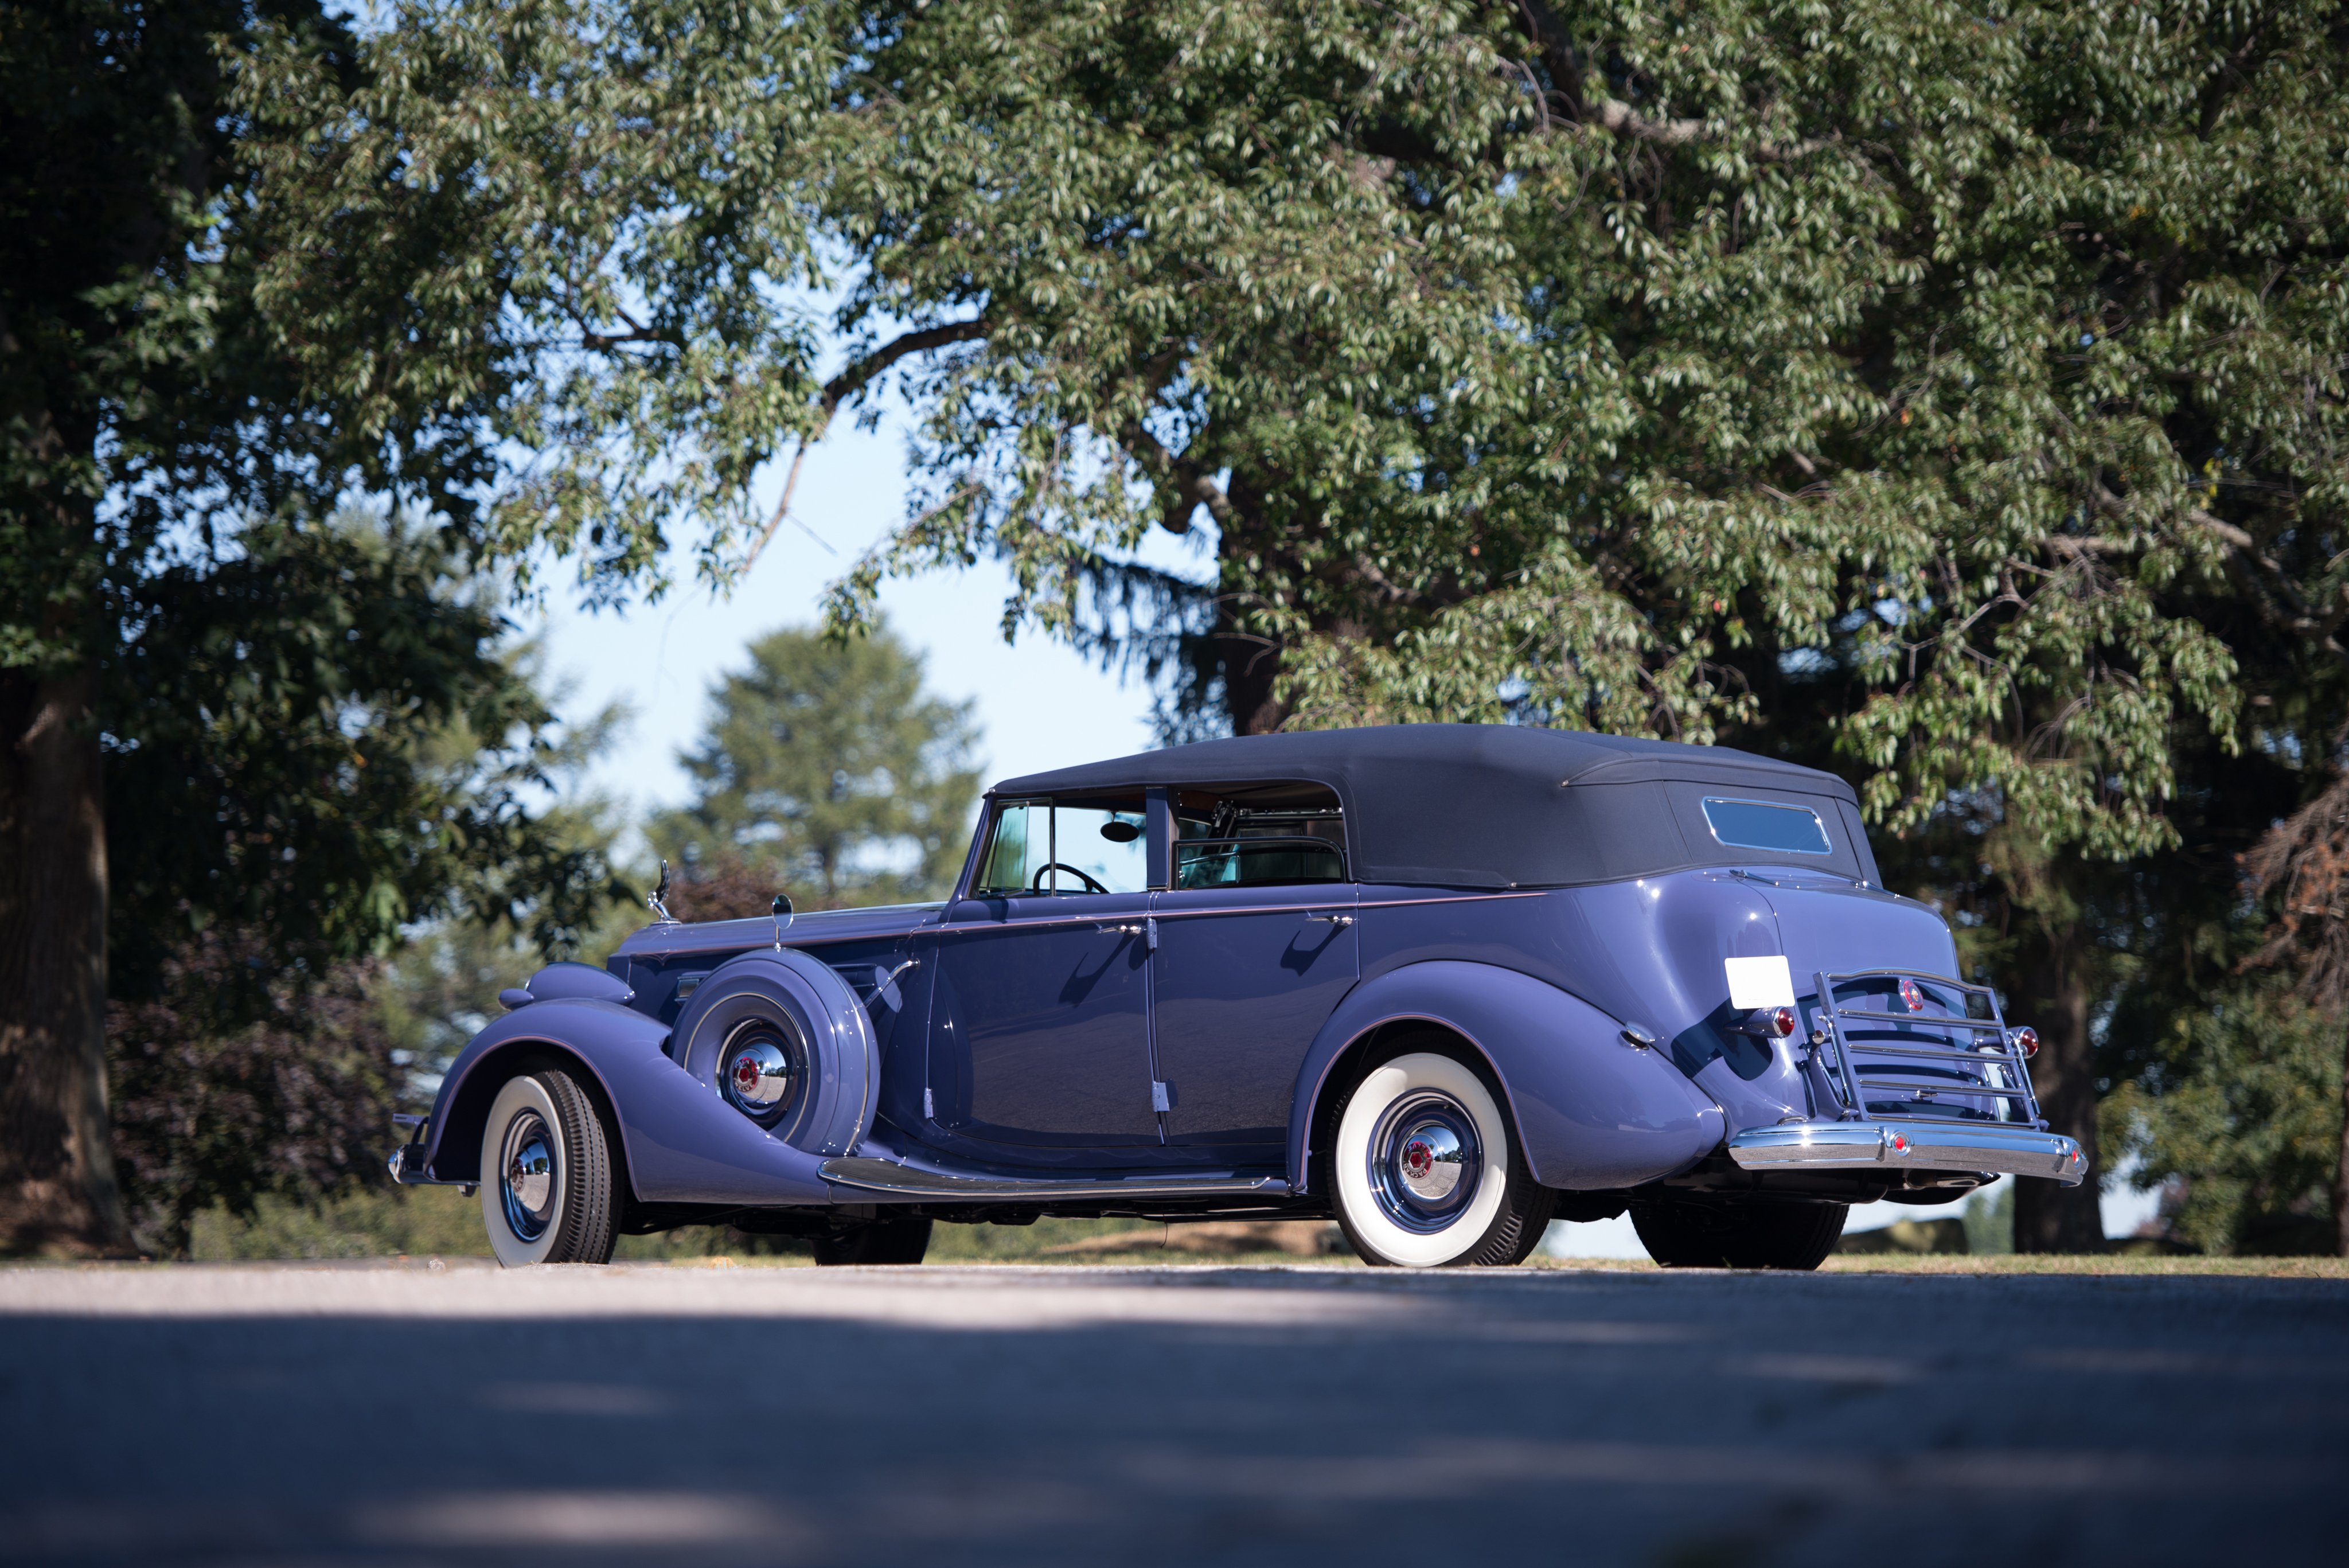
{"x":755,"y":1071}
{"x":1426,"y":1161}
{"x":1430,"y":1164}
{"x":526,"y":1176}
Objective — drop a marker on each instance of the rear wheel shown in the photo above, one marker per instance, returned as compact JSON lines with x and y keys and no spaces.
{"x":1683,"y":1234}
{"x":878,"y":1241}
{"x":547,"y":1183}
{"x":1425,"y":1170}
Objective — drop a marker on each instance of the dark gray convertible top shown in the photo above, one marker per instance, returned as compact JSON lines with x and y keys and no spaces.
{"x":1483,"y":806}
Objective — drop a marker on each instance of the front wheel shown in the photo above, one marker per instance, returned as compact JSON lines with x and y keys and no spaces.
{"x":1425,"y":1172}
{"x":1681,"y":1234}
{"x":548,"y":1184}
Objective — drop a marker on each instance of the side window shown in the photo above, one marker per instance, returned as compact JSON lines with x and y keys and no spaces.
{"x":1259,"y":835}
{"x":1042,"y":846}
{"x":1019,"y":848}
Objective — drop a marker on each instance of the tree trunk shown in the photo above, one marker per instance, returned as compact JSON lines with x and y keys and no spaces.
{"x":1250,"y":662}
{"x":2049,"y":1218}
{"x":57,"y":1192}
{"x":1251,"y":665}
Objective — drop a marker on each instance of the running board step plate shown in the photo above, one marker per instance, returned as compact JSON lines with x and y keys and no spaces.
{"x":886,"y":1176}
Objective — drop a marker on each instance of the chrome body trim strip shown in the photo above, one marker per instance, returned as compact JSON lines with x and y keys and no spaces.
{"x":1300,"y":906}
{"x":887,"y":1175}
{"x":1918,"y":1143}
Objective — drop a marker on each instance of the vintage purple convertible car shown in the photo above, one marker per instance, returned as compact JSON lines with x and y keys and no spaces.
{"x":1444,"y":982}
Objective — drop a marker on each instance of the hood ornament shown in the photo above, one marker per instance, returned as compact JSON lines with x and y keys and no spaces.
{"x":657,"y":899}
{"x":782,"y":911}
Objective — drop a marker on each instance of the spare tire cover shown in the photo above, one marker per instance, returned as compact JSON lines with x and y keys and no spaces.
{"x":831,"y":1108}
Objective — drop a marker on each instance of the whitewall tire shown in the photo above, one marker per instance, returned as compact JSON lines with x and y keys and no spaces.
{"x":1424,"y":1171}
{"x":547,"y":1188}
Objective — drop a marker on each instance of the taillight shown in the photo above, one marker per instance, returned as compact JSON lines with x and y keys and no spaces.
{"x":2027,"y":1040}
{"x":1912,"y":995}
{"x":1770,"y":1022}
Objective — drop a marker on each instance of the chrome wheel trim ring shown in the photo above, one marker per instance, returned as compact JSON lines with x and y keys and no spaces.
{"x":1426,"y":1161}
{"x":527,"y":1175}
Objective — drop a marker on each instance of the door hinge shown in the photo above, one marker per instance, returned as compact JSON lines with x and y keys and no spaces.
{"x":1150,"y":933}
{"x":1160,"y":1101}
{"x":929,"y":1105}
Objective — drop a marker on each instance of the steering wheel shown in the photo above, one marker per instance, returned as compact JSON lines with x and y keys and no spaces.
{"x":1038,"y":885}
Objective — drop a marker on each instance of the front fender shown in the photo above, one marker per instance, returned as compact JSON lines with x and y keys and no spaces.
{"x":1594,"y":1112}
{"x":681,"y":1142}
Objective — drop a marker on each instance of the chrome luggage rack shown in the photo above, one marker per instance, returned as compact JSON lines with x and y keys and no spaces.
{"x":1945,"y":1068}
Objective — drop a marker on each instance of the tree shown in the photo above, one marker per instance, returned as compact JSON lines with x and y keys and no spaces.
{"x":1953,"y":400}
{"x":1952,"y":396}
{"x":2302,"y":864}
{"x":289,"y":1090}
{"x":210,"y":690}
{"x":825,"y":768}
{"x":258,"y":1040}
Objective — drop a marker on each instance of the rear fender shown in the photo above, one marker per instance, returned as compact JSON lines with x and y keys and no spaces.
{"x":680,"y":1142}
{"x":1594,"y":1112}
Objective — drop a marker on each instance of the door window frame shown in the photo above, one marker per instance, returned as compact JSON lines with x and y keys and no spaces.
{"x":1158,"y":852}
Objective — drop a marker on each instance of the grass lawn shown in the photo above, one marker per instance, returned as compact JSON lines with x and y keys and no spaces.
{"x":440,"y":1221}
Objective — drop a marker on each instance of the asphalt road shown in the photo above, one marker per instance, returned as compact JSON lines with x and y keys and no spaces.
{"x":328,"y":1416}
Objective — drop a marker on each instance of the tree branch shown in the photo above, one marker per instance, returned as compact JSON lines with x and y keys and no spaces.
{"x":1189,"y":483}
{"x":838,"y":390}
{"x":1540,"y":27}
{"x":864,"y":371}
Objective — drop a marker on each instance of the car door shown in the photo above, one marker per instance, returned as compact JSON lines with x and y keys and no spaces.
{"x":1038,"y":1025}
{"x":1255,"y":948}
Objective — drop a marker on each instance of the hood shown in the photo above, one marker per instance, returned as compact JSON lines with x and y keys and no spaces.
{"x":814,"y":928}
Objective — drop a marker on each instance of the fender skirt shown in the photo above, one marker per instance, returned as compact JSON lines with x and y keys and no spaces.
{"x":1595,"y":1113}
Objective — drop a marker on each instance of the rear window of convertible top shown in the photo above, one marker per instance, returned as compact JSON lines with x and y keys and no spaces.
{"x":1759,"y":825}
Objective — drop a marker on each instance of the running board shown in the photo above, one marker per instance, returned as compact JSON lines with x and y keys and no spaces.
{"x":886,"y":1176}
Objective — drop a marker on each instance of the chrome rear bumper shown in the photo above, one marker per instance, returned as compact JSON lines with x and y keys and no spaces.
{"x":1920,"y":1145}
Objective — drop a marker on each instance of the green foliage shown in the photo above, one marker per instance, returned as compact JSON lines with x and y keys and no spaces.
{"x":1990,"y":1220}
{"x":418,"y":1222}
{"x":825,"y":767}
{"x":1953,"y":396}
{"x":254,"y":1058}
{"x":347,"y":750}
{"x":162,"y":471}
{"x":1595,"y":364}
{"x":240,"y":1078}
{"x":569,"y":230}
{"x":2246,"y":1107}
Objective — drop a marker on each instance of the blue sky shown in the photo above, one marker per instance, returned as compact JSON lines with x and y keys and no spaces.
{"x":1039,"y":705}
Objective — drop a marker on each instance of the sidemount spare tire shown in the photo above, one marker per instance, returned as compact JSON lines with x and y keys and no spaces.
{"x":785,"y":1042}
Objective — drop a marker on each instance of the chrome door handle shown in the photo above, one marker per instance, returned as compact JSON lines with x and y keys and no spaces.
{"x":1122,"y":930}
{"x":1333,"y":919}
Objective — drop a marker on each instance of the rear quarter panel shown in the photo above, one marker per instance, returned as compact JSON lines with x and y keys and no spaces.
{"x":1594,"y":1112}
